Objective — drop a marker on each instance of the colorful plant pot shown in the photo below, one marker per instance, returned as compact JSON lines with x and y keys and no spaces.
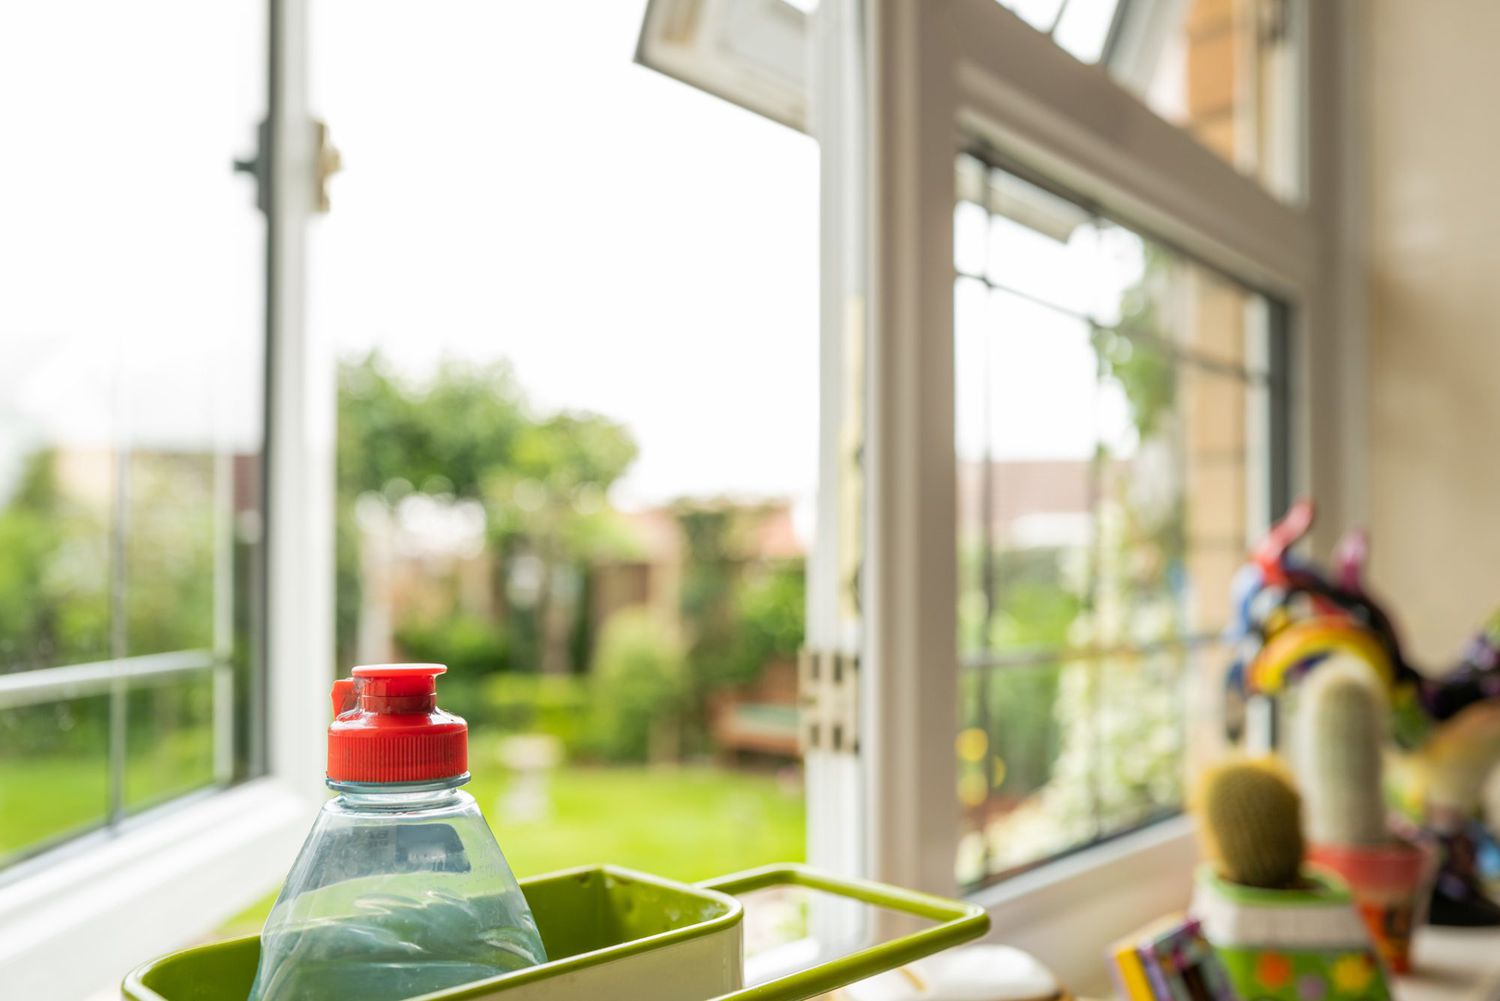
{"x":1307,"y":944}
{"x":1391,"y":885}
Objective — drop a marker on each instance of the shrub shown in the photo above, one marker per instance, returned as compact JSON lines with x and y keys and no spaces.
{"x":473,"y":647}
{"x":558,"y":705}
{"x":640,"y":686}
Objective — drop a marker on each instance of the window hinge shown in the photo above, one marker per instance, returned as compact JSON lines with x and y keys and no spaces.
{"x":828,"y":689}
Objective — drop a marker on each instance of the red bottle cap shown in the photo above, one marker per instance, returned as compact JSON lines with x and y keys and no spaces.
{"x":387,"y":727}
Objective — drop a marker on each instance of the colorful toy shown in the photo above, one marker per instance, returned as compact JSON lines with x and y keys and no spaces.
{"x":1290,"y":618}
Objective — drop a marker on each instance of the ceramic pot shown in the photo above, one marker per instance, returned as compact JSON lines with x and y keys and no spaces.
{"x":1391,"y":885}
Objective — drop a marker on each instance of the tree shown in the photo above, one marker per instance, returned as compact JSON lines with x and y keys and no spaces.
{"x":468,"y":432}
{"x":549,"y":504}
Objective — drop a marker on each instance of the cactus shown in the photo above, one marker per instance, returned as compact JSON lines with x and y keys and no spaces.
{"x":1250,"y":819}
{"x":1342,"y":720}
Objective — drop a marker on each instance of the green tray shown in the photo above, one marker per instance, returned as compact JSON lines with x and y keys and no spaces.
{"x":616,"y":933}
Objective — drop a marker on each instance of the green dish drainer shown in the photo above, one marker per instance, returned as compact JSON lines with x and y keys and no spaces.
{"x":614,"y":933}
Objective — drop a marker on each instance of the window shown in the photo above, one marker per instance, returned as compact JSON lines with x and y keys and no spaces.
{"x":1226,"y":71}
{"x":1114,"y":406}
{"x":1080,"y":27}
{"x":131,"y":415}
{"x":1080,"y":332}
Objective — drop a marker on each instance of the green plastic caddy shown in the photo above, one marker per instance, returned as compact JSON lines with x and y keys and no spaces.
{"x":613,"y":933}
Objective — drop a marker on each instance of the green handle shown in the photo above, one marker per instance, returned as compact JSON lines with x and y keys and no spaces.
{"x":958,"y":923}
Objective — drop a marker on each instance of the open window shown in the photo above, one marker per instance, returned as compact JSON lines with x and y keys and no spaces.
{"x":1049,"y":348}
{"x":158,"y":623}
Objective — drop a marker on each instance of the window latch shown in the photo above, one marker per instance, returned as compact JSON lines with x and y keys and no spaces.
{"x":828,"y":690}
{"x":327,"y":161}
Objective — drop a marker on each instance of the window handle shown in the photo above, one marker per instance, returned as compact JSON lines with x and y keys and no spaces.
{"x":327,"y":161}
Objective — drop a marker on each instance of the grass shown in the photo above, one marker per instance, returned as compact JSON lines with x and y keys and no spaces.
{"x":686,"y":823}
{"x":46,"y":798}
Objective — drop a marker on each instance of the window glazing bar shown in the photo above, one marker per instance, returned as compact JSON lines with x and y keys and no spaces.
{"x":1043,"y":656}
{"x":55,"y":684}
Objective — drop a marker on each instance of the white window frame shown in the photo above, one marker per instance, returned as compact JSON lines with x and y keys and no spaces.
{"x":943,"y":72}
{"x":76,"y":919}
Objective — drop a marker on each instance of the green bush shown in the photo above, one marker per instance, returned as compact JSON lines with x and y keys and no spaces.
{"x":640,"y":688}
{"x":558,"y":705}
{"x":474,"y":649}
{"x":770,"y":611}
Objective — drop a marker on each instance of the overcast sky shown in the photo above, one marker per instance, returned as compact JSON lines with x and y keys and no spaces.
{"x":515,"y":188}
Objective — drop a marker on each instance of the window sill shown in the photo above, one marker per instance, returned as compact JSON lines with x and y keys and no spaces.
{"x":1454,"y":964}
{"x":1068,"y":912}
{"x":86,"y":913}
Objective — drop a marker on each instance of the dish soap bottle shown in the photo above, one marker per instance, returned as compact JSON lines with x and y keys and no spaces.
{"x":400,"y":888}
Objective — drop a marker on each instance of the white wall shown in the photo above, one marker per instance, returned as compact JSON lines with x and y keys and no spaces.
{"x":1432,"y":83}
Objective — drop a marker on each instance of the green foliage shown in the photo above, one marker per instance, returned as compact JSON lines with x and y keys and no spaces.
{"x":1251,"y":820}
{"x":469,"y":432}
{"x":169,"y":553}
{"x":769,"y":615}
{"x":446,"y":435}
{"x":54,"y":573}
{"x":557,"y":705}
{"x":640,"y":684}
{"x":709,"y":578}
{"x":471,"y":646}
{"x":1341,"y":738}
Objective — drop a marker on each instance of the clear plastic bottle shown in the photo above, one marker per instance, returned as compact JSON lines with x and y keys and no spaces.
{"x":400,"y":888}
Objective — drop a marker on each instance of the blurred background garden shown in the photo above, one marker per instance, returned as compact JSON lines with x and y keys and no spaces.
{"x":637,"y":666}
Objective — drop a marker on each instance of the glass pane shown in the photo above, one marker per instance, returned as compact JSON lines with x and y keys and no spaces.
{"x":1227,"y":71}
{"x":1027,"y":391}
{"x":1084,"y":28}
{"x":1040,"y":14}
{"x":170,"y":743}
{"x":132,"y":330}
{"x":57,"y":508}
{"x":1026,"y":759}
{"x":1138,"y":768}
{"x":1111,"y":427}
{"x":54,"y":773}
{"x":169,"y":552}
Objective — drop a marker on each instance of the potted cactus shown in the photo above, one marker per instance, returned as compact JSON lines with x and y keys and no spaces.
{"x":1342,"y":723}
{"x":1283,"y":931}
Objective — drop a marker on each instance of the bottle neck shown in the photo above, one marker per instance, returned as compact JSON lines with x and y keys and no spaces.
{"x":399,"y":795}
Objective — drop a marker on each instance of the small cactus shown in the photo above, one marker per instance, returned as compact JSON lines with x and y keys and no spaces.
{"x":1250,"y":819}
{"x":1342,"y":721}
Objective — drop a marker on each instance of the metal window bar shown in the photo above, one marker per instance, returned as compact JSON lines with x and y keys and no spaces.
{"x":1175,"y":352}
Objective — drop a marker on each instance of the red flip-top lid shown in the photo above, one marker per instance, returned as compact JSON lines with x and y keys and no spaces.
{"x":387,"y":727}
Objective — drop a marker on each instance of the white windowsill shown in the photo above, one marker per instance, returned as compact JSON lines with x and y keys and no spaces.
{"x":1068,"y":912}
{"x":86,"y":917}
{"x":1454,"y":964}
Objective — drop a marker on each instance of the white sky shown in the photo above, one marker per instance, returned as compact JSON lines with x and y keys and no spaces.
{"x":514,"y":188}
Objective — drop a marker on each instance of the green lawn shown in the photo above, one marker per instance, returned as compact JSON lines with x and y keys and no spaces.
{"x":46,"y":797}
{"x":686,"y":823}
